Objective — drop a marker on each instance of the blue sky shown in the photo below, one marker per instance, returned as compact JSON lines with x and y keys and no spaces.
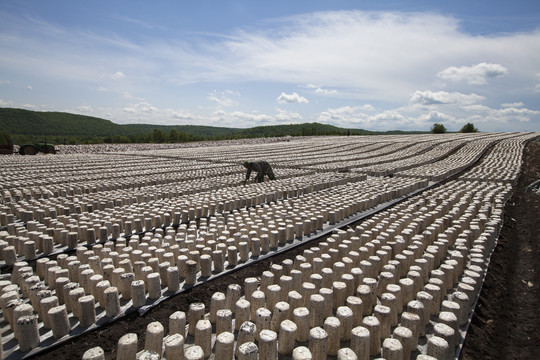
{"x":376,"y":65}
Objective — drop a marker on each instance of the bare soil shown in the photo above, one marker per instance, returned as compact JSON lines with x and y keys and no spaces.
{"x":506,"y":323}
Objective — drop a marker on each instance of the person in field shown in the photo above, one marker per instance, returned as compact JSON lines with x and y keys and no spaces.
{"x":261,"y":167}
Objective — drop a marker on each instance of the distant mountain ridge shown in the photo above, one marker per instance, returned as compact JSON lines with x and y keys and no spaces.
{"x":55,"y":127}
{"x":28,"y":122}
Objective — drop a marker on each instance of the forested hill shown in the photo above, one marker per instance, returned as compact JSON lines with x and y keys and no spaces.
{"x":19,"y":122}
{"x":60,"y":127}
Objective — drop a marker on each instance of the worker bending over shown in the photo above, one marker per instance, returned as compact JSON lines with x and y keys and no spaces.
{"x":261,"y":167}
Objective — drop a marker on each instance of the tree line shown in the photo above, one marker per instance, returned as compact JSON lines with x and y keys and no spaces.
{"x":439,"y":128}
{"x":159,"y":136}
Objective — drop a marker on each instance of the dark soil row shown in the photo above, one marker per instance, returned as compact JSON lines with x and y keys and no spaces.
{"x":507,"y":318}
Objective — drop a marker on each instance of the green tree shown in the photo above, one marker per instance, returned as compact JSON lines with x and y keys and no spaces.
{"x":158,"y":136}
{"x":183,"y":137}
{"x":173,"y":136}
{"x":468,"y":128}
{"x":5,"y":138}
{"x":438,"y":128}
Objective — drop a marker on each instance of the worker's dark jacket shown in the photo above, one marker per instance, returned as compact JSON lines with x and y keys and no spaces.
{"x":262,"y":168}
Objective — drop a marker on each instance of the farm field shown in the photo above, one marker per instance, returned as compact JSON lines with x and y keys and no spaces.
{"x":506,"y":317}
{"x":366,"y":245}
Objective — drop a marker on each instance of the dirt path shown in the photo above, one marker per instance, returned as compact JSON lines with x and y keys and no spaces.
{"x":507,"y":317}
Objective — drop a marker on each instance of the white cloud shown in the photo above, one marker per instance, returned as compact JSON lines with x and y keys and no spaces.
{"x":6,"y":103}
{"x":84,"y":109}
{"x":388,"y":115}
{"x":250,"y":117}
{"x":222,"y":98}
{"x":118,"y":75}
{"x":419,"y":117}
{"x":499,"y":117}
{"x":238,"y":119}
{"x":340,"y":114}
{"x":5,"y":82}
{"x":293,"y":98}
{"x":511,"y":113}
{"x":220,"y":101}
{"x":349,"y":116}
{"x":476,"y":108}
{"x":326,"y":91}
{"x":429,"y":97}
{"x":140,"y":108}
{"x":474,"y":75}
{"x":435,"y":116}
{"x":367,"y":107}
{"x":287,"y":116}
{"x":321,"y":90}
{"x":373,"y":55}
{"x":514,"y":105}
{"x":182,"y":115}
{"x":29,"y":87}
{"x":392,"y":119}
{"x":231,"y":92}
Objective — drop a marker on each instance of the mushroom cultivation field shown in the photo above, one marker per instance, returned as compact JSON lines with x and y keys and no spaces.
{"x":362,"y":248}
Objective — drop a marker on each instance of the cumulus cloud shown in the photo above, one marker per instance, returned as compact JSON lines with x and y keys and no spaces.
{"x":429,"y":97}
{"x":182,"y":115}
{"x":388,"y":115}
{"x":222,"y":98}
{"x":351,"y":116}
{"x":367,"y":107}
{"x":118,"y":75}
{"x":333,"y":115}
{"x":293,"y":98}
{"x":345,"y":111}
{"x":6,"y":103}
{"x":415,"y":117}
{"x":514,"y":105}
{"x":320,"y":90}
{"x":473,"y":75}
{"x":84,"y":109}
{"x":250,"y":117}
{"x":499,"y":117}
{"x":476,"y":108}
{"x":512,"y":113}
{"x":287,"y":116}
{"x":436,"y":116}
{"x":142,"y":107}
{"x":326,"y":91}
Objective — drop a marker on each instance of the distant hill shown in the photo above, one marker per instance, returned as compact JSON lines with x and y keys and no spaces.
{"x":60,"y":127}
{"x":19,"y":122}
{"x":306,"y":129}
